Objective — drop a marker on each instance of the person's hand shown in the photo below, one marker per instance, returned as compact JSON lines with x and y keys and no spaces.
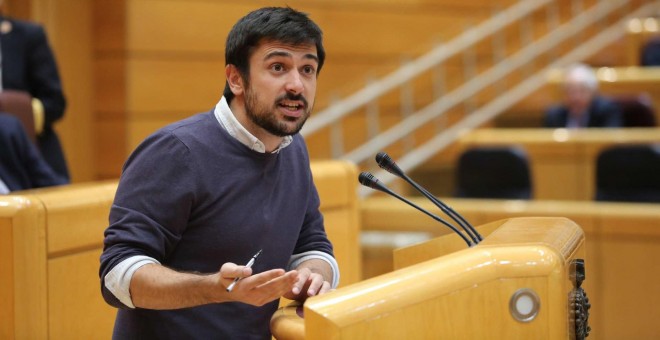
{"x":307,"y":284}
{"x":257,"y":289}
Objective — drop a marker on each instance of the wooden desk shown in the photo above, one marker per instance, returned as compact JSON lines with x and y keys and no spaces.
{"x":457,"y":294}
{"x":563,"y":162}
{"x":623,"y":245}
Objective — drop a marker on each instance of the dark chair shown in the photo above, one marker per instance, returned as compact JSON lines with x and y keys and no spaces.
{"x":493,"y":172}
{"x":637,"y":110}
{"x":629,"y":174}
{"x":650,"y":52}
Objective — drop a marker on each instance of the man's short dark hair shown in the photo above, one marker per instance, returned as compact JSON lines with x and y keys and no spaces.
{"x":281,"y":24}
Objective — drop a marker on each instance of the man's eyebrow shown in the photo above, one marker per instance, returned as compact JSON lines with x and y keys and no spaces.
{"x":312,"y":56}
{"x":288,"y":55}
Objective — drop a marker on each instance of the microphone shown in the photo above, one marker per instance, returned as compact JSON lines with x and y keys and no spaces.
{"x":385,"y":162}
{"x":369,"y":180}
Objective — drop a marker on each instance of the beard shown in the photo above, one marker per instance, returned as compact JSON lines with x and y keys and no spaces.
{"x":267,"y":117}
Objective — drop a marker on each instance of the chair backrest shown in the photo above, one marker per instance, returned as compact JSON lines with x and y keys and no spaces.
{"x":637,"y":110}
{"x":650,"y":52}
{"x":629,"y":174}
{"x":494,"y":172}
{"x":19,"y":104}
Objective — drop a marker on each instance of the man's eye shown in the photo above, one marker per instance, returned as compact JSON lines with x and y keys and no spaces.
{"x":277,"y":67}
{"x":308,"y":70}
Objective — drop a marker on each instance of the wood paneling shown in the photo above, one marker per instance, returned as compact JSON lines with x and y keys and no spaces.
{"x":80,"y":312}
{"x":6,"y":281}
{"x":151,"y":58}
{"x":26,"y":298}
{"x":158,"y":57}
{"x":69,"y":26}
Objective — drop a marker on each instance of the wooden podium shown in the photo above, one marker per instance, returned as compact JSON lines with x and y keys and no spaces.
{"x":522,"y":281}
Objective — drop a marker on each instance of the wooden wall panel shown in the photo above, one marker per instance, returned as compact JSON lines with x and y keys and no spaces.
{"x":68,"y":24}
{"x":110,"y":91}
{"x":19,"y":9}
{"x":66,"y":306}
{"x":111,"y":149}
{"x":630,"y":295}
{"x":157,"y":25}
{"x":179,"y":85}
{"x":155,"y":65}
{"x":6,"y":280}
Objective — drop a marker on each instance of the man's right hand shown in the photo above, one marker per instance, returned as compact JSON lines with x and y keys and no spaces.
{"x":257,"y":289}
{"x":157,"y":287}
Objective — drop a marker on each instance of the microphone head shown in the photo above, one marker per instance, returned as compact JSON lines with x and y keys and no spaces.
{"x":385,"y":162}
{"x":382,"y":157}
{"x":367,"y":179}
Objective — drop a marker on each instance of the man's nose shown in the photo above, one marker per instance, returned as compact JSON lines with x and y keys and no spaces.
{"x":294,"y":83}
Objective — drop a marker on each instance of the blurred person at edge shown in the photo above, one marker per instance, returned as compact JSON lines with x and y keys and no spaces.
{"x":27,"y":64}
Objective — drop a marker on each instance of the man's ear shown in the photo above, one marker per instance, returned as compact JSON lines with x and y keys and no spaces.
{"x":234,"y":79}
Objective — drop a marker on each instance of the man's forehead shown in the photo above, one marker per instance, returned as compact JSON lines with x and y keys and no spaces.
{"x":271,"y":45}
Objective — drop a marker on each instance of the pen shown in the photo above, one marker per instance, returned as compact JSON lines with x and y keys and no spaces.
{"x":248,"y":265}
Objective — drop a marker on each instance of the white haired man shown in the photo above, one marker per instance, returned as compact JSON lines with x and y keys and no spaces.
{"x":583,"y":106}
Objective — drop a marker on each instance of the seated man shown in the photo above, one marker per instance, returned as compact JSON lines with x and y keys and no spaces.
{"x":21,"y":164}
{"x":582,"y":106}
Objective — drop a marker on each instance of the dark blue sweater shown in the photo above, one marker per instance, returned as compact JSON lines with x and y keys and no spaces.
{"x":193,"y":197}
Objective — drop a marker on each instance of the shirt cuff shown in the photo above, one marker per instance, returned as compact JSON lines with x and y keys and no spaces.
{"x":118,"y":280}
{"x":297,"y":259}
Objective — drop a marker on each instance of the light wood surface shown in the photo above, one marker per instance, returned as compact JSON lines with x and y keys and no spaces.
{"x":23,"y":265}
{"x":463,"y":294}
{"x":335,"y":182}
{"x":623,"y":241}
{"x":562,"y":161}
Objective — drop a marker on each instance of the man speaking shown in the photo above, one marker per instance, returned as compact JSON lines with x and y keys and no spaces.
{"x":200,"y":198}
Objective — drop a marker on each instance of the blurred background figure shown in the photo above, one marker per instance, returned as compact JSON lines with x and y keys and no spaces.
{"x":583,"y":106}
{"x":651,"y":52}
{"x":28,"y":65}
{"x":21,"y":164}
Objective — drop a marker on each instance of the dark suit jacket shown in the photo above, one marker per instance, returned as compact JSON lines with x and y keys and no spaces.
{"x":602,"y":113}
{"x":21,"y":165}
{"x":28,"y":65}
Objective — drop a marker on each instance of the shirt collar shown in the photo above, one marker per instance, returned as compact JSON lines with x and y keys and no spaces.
{"x":229,"y":122}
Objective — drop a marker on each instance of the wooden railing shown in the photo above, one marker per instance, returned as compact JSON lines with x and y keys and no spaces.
{"x":487,"y":89}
